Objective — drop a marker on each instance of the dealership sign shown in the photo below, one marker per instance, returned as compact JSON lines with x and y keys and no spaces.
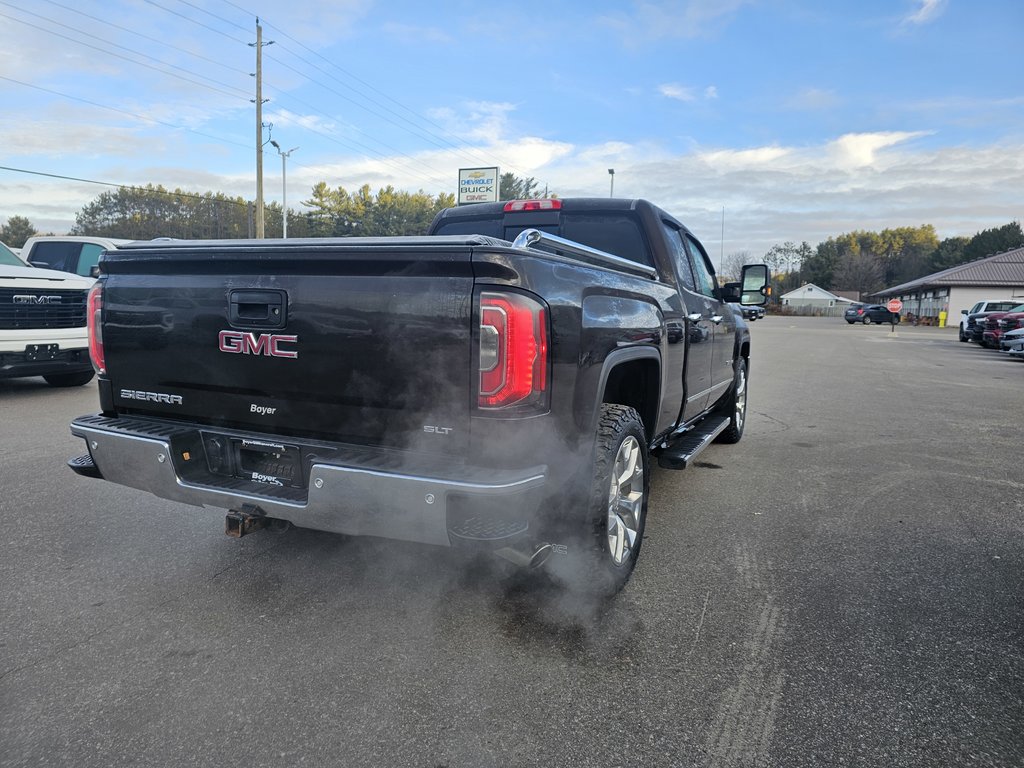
{"x":478,"y":185}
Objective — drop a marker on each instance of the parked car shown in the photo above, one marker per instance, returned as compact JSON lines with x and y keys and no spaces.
{"x":71,"y":253}
{"x":968,"y":329}
{"x":870,"y":313}
{"x":854,"y":313}
{"x":43,"y":324}
{"x":997,"y":323}
{"x":1012,"y":342}
{"x":752,"y":313}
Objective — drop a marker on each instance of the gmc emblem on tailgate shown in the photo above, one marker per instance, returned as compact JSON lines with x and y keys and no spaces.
{"x":269,"y":344}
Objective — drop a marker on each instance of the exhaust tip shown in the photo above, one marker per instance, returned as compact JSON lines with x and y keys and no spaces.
{"x":526,"y":558}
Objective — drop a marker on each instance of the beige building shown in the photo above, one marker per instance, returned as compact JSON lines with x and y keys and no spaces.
{"x":959,"y":288}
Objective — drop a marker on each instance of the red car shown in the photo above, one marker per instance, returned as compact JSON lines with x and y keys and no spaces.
{"x":998,"y":323}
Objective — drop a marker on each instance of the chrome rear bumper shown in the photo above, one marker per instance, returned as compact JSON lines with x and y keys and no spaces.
{"x":492,"y":505}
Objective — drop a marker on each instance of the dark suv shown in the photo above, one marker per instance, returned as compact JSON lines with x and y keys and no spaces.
{"x":870,"y":313}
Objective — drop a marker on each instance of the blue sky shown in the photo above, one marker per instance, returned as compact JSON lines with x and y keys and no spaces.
{"x":801,"y":119}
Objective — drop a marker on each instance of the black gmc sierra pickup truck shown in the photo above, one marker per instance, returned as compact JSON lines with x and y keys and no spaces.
{"x":502,"y":383}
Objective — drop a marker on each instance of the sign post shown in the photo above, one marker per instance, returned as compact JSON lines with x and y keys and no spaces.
{"x":895,"y":306}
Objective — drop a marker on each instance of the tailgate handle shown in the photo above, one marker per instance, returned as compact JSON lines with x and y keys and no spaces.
{"x":257,"y":309}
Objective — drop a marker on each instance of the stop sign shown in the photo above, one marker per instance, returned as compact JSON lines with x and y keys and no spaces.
{"x":894,"y":305}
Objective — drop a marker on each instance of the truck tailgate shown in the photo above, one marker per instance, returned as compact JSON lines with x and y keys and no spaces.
{"x":369,"y":345}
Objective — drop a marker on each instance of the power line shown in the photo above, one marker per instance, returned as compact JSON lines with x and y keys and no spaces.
{"x":144,"y":118}
{"x":359,"y":146}
{"x":199,"y":23}
{"x":156,"y":40}
{"x":169,"y":193}
{"x":106,"y":52}
{"x":476,"y":152}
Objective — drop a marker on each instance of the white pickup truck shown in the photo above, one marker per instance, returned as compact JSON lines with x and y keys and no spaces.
{"x":43,"y":323}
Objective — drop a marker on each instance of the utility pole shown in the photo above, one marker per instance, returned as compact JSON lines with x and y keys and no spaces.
{"x":258,"y":45}
{"x":611,"y":190}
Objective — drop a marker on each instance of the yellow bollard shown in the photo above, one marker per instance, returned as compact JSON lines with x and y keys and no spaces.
{"x":942,"y":319}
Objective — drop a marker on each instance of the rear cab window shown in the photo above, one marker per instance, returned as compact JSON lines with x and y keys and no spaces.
{"x":615,"y":232}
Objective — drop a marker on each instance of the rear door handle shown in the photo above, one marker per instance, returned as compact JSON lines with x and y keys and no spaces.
{"x":717,"y":319}
{"x":695,"y":317}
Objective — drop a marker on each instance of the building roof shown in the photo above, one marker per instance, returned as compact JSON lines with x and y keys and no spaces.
{"x":1002,"y":269}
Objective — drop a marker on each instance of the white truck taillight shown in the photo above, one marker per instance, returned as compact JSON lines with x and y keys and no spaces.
{"x":95,"y":310}
{"x":513,"y":351}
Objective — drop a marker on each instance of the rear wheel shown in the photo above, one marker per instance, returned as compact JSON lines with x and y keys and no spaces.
{"x":69,"y":379}
{"x":602,"y":561}
{"x":867,"y":320}
{"x":850,"y":322}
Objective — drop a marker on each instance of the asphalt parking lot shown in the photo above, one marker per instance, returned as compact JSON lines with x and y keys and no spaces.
{"x":843,"y":587}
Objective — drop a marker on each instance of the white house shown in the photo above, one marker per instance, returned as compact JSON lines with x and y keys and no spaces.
{"x":811,"y":298}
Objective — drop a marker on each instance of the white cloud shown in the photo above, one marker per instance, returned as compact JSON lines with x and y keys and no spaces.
{"x":927,"y":11}
{"x":283,"y":118}
{"x":857,"y":150}
{"x":676,"y":91}
{"x":685,"y":93}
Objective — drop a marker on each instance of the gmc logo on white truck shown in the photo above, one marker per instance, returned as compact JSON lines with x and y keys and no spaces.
{"x":269,"y":344}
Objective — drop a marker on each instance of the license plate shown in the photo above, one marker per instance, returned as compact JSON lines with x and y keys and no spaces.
{"x":42,"y":351}
{"x":268,"y":463}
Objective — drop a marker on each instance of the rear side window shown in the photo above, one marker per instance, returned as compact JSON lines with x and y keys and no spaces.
{"x":88,"y":258}
{"x":701,"y":272}
{"x":675,"y":243}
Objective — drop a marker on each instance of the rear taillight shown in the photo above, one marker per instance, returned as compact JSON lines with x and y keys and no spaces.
{"x":533,"y":205}
{"x":95,"y":310}
{"x":513,"y":351}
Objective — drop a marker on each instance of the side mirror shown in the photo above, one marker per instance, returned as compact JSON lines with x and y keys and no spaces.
{"x":94,"y":270}
{"x":730,"y":292}
{"x":754,"y":285}
{"x":963,"y":311}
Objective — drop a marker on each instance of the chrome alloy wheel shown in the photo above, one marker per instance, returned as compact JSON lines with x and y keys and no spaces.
{"x":625,"y":500}
{"x":740,"y":415}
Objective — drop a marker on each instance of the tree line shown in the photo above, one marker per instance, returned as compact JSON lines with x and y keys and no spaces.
{"x":862,"y":261}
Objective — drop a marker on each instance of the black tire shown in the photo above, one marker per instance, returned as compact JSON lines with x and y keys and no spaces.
{"x":735,"y":405}
{"x":963,"y":336}
{"x":69,"y":379}
{"x":600,"y":560}
{"x":867,"y":320}
{"x":849,"y":322}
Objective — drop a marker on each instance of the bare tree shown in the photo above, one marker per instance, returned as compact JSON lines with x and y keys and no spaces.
{"x":732,"y":265}
{"x":860,"y":271}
